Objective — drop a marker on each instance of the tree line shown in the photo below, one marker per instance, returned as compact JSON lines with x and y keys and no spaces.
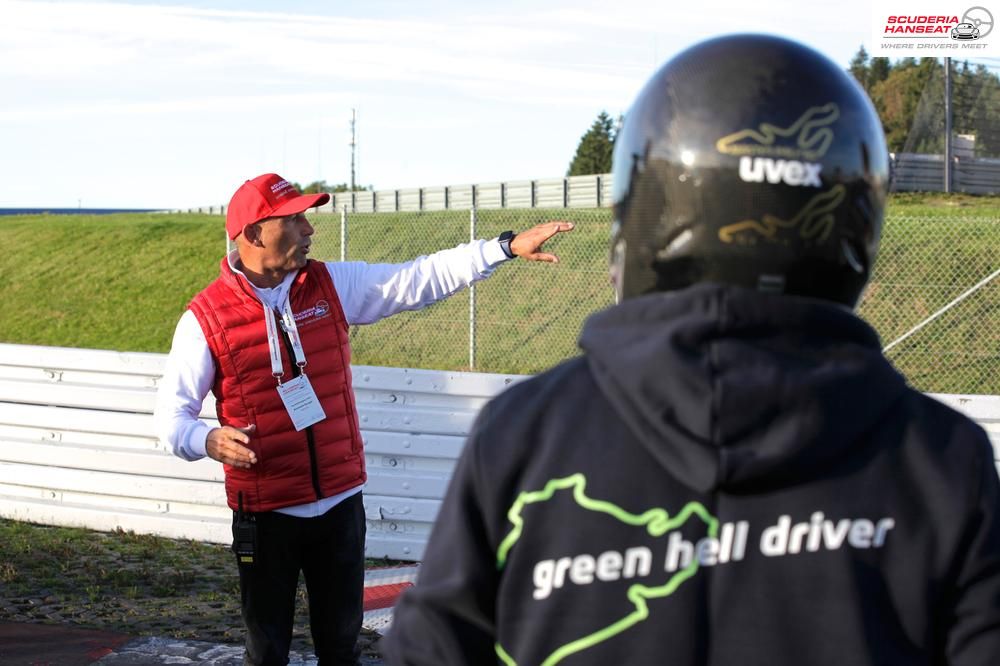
{"x":319,"y":186}
{"x":908,"y":96}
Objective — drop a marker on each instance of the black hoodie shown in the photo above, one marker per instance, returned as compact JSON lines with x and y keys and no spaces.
{"x":725,"y":477}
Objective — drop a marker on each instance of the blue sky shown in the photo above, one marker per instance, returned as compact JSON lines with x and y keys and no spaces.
{"x":172,"y":104}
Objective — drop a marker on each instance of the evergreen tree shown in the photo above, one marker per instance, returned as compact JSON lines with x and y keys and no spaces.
{"x":976,"y":107}
{"x":878,"y":71}
{"x":858,"y":68}
{"x":593,"y":154}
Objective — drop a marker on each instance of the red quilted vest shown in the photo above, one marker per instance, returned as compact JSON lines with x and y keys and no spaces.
{"x":292,"y":467}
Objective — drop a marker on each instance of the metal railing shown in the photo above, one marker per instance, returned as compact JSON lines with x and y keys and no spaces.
{"x":911,"y":172}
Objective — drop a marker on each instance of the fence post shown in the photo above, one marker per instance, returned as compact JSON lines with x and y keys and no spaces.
{"x":947,"y":125}
{"x":472,"y":297}
{"x":343,"y":233}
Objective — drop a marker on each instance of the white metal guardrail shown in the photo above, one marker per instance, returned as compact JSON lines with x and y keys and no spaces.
{"x":983,"y":409}
{"x":77,"y":446}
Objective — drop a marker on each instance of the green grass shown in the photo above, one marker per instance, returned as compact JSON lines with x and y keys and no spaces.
{"x":120,"y":282}
{"x":104,"y":282}
{"x":938,"y":204}
{"x":69,"y":561}
{"x":125,"y":582}
{"x":142,"y":585}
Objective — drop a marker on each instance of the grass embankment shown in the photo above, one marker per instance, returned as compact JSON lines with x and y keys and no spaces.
{"x":103,"y":281}
{"x":120,"y":282}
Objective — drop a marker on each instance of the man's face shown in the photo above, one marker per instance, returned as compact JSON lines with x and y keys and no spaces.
{"x":285,"y":242}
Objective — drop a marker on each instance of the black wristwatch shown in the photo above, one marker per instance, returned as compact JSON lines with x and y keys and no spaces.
{"x":506,"y":238}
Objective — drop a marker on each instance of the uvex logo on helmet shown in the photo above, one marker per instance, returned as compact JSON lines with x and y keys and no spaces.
{"x":790,"y":172}
{"x":808,"y":138}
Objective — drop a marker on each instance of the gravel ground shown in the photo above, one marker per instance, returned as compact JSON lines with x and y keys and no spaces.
{"x":133,"y":584}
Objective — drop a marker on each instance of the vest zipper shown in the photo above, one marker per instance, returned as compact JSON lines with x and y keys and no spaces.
{"x":310,"y":438}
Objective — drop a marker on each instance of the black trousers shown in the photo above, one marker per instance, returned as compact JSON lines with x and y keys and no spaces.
{"x":330,"y":551}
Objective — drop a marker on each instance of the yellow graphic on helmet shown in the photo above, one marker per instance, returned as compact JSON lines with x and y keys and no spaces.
{"x":814,"y":222}
{"x":811,"y":132}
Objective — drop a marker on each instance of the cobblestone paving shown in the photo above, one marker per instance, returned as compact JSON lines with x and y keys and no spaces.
{"x":172,"y":651}
{"x":181,"y":642}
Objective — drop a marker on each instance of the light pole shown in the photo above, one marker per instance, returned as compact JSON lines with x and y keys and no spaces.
{"x":353,"y":145}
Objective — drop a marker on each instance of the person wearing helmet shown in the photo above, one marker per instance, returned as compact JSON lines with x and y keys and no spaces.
{"x":732,"y":472}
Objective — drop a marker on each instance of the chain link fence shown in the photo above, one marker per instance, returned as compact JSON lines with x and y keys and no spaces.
{"x":523,"y":319}
{"x":935,"y":300}
{"x":934,"y":297}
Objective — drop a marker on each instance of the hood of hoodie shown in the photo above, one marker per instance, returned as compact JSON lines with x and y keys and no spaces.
{"x":734,"y":389}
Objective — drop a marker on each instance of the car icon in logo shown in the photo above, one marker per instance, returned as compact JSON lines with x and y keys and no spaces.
{"x":965,"y":31}
{"x":979,"y":18}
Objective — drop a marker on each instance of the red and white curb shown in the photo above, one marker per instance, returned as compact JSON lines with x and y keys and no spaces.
{"x":382,"y":589}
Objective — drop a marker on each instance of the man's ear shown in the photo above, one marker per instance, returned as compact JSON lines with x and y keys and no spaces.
{"x":251,"y":233}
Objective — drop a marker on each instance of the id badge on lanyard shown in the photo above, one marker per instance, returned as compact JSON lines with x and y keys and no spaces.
{"x":297,"y":395}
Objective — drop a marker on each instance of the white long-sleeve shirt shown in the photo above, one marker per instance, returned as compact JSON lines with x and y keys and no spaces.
{"x":367,"y":292}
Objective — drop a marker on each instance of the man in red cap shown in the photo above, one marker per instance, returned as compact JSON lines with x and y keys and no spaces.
{"x":269,"y":339}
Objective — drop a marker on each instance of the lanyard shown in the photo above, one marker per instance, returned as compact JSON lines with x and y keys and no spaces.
{"x":288,"y":323}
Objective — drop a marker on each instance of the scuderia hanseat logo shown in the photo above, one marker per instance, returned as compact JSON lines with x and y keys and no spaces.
{"x":933,"y":27}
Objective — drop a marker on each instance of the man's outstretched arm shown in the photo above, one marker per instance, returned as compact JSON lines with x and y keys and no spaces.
{"x":370,"y":292}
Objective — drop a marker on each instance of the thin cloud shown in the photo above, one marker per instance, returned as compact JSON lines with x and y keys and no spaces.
{"x":101,"y":94}
{"x":175,"y":106}
{"x":117,"y":50}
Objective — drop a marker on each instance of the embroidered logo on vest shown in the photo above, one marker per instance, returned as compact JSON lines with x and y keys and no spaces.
{"x":313,"y":314}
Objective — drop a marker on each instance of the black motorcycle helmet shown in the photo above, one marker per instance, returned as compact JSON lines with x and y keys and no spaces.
{"x":749,"y":160}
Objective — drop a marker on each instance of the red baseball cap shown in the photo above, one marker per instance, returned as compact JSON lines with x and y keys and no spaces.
{"x":267,"y":196}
